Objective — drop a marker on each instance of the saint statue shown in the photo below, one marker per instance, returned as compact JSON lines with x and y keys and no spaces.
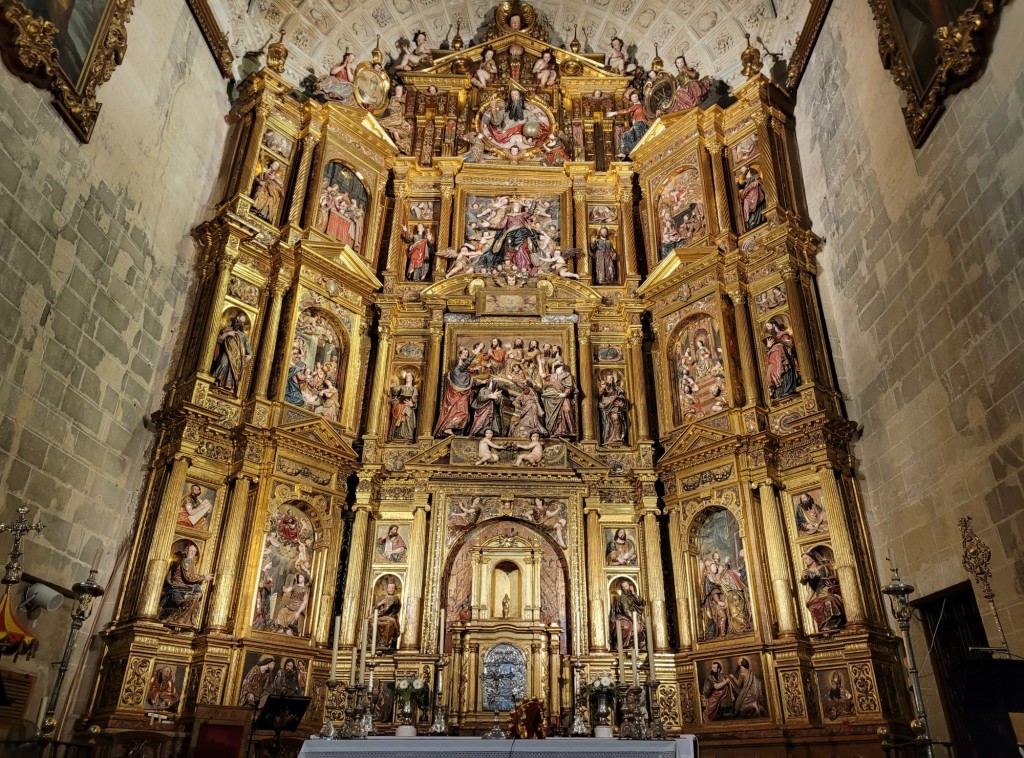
{"x":826,"y":600}
{"x":624,"y":605}
{"x":231,"y":353}
{"x":183,"y":590}
{"x":782,"y":372}
{"x":419,"y":253}
{"x":291,"y":608}
{"x":388,"y":609}
{"x":456,"y":394}
{"x":404,"y":403}
{"x":605,"y":266}
{"x":638,"y":124}
{"x":612,"y":404}
{"x":506,"y":606}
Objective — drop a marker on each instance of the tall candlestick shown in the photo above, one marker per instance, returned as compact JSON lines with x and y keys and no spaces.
{"x":362,"y":659}
{"x":373,"y":637}
{"x":97,"y":559}
{"x":636,"y":654}
{"x":651,"y":675}
{"x":352,"y":671}
{"x":334,"y":649}
{"x":618,"y":640}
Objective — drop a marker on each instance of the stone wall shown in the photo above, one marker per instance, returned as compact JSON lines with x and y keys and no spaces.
{"x":922,"y":282}
{"x":96,"y":260}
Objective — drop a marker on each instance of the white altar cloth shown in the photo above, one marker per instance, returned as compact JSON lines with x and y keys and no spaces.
{"x":472,"y":747}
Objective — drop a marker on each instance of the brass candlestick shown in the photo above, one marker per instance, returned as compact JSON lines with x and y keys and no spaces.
{"x":580,"y":727}
{"x":369,"y":730}
{"x":633,"y":726}
{"x":655,"y":726}
{"x":328,"y":732}
{"x":440,"y":725}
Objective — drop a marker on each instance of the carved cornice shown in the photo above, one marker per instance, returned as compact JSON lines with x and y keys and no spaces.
{"x":806,"y":42}
{"x":216,"y":40}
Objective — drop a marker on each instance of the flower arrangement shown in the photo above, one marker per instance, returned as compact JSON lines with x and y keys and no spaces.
{"x":412,"y":690}
{"x":601,"y":685}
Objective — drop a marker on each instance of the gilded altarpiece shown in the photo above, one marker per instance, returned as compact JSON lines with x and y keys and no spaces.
{"x":435,"y":367}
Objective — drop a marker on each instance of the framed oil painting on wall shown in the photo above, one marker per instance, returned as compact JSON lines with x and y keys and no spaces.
{"x":69,"y":47}
{"x":933,"y":48}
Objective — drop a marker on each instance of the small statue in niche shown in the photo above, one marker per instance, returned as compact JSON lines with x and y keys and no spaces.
{"x":183,"y":589}
{"x":826,"y":600}
{"x":231,"y":354}
{"x":506,"y":606}
{"x":638,"y":124}
{"x":612,"y":403}
{"x":420,"y":252}
{"x":624,"y":605}
{"x":415,"y":55}
{"x":782,"y":371}
{"x":269,"y":195}
{"x":404,"y":403}
{"x":606,"y":269}
{"x":388,"y":608}
{"x":486,"y":449}
{"x":752,"y":197}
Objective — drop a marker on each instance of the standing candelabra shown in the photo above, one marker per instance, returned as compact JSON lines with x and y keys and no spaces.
{"x":369,"y":730}
{"x":898,"y":591}
{"x":353,"y":726}
{"x":580,"y":727}
{"x":655,"y":727}
{"x":440,"y":725}
{"x":327,"y":731}
{"x":632,"y":726}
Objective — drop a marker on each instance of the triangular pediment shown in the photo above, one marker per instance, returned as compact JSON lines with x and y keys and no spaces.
{"x":354,"y":269}
{"x":675,"y":267}
{"x":695,"y":437}
{"x":314,"y":430}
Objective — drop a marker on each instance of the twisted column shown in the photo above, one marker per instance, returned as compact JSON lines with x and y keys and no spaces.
{"x":748,"y":360}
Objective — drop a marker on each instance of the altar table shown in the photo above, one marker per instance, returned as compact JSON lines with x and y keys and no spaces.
{"x":474,"y":747}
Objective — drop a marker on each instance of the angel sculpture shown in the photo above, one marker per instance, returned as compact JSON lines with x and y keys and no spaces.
{"x":462,"y":259}
{"x":415,"y":54}
{"x":558,"y":261}
{"x":477,"y":147}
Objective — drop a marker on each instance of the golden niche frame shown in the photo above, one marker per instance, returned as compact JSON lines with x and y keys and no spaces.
{"x":42,"y":52}
{"x":930,"y":68}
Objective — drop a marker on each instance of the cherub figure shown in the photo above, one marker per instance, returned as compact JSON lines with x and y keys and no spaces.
{"x":477,"y":147}
{"x":486,"y":71}
{"x":616,"y":59}
{"x":534,"y":451}
{"x":559,"y":262}
{"x":486,"y":449}
{"x":418,"y":56}
{"x":463,"y":259}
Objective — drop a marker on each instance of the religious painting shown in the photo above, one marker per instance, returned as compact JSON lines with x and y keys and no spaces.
{"x":608,"y":353}
{"x":233,"y":351}
{"x":503,"y":302}
{"x":370,"y":87}
{"x":770,"y":299}
{"x":836,"y":694}
{"x":383,"y":697}
{"x":90,"y":40}
{"x":746,"y":149}
{"x":809,"y":513}
{"x":514,"y":123}
{"x":602,"y":213}
{"x":506,"y":385}
{"x":550,"y":515}
{"x":782,"y":371}
{"x":510,"y":234}
{"x":314,"y":380}
{"x":392,"y":543}
{"x":725,"y":598}
{"x":196,"y":507}
{"x":732,"y":687}
{"x":265,"y":674}
{"x":698,"y":369}
{"x":620,"y":546}
{"x":284,"y":586}
{"x":184,"y":586}
{"x":626,"y":614}
{"x":751,"y":196}
{"x":268,"y":188}
{"x":165,"y":687}
{"x":387,"y":606}
{"x":825,"y":597}
{"x":278,"y":143}
{"x":342,"y":205}
{"x":681,"y":219}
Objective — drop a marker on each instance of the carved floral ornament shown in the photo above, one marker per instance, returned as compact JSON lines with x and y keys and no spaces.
{"x":931,"y":67}
{"x":38,"y":50}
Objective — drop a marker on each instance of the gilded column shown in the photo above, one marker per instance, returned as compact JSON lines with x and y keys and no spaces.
{"x":309,"y":143}
{"x":455,"y":674}
{"x":380,"y":379}
{"x":771,"y":192}
{"x":447,"y":184}
{"x":804,"y":354}
{"x":224,"y":267}
{"x":777,"y":549}
{"x":635,"y":340}
{"x":269,"y":338}
{"x":625,"y":174}
{"x":414,"y":575}
{"x":352,"y":607}
{"x":842,"y":545}
{"x":748,"y":361}
{"x":721,"y":186}
{"x":578,"y":174}
{"x":675,"y":540}
{"x":259,"y":123}
{"x":652,"y":565}
{"x":595,"y":577}
{"x":228,"y":552}
{"x":428,"y":394}
{"x":589,"y":404}
{"x":163,"y":537}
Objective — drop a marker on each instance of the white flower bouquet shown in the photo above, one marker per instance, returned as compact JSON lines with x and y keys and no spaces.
{"x":412,"y":689}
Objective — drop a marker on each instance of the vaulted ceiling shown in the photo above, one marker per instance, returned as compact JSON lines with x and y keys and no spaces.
{"x":709,"y":32}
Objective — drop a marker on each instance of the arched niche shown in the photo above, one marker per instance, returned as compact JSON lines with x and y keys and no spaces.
{"x":697,"y":367}
{"x":317,"y":364}
{"x":725,"y":601}
{"x":285,"y":580}
{"x":506,"y":590}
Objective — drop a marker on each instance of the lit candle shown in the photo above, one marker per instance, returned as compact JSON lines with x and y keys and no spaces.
{"x":97,"y":559}
{"x":334,"y":649}
{"x":618,"y":640}
{"x":362,"y":659}
{"x":373,"y":638}
{"x":443,"y":631}
{"x":352,"y":671}
{"x":636,"y":654}
{"x":892,"y":559}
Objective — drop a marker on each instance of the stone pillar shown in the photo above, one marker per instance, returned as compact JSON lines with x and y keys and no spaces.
{"x":779,"y":566}
{"x":380,"y":377}
{"x":428,"y":391}
{"x":589,"y":404}
{"x":269,"y":338}
{"x":798,"y":320}
{"x":682,"y":586}
{"x":748,"y":361}
{"x":638,"y":397}
{"x":595,"y":577}
{"x":213,"y":326}
{"x":842,"y":546}
{"x":228,"y":553}
{"x":653,"y":568}
{"x":163,"y":538}
{"x":414,"y":574}
{"x":352,"y":608}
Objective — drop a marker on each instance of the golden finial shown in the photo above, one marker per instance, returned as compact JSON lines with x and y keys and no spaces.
{"x":457,"y":40}
{"x":377,"y":55}
{"x":657,"y":64}
{"x":751,"y":58}
{"x":277,"y":55}
{"x":575,"y":44}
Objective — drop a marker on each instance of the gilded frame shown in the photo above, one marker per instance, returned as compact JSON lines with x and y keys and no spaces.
{"x":961,"y":56}
{"x":29,"y":47}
